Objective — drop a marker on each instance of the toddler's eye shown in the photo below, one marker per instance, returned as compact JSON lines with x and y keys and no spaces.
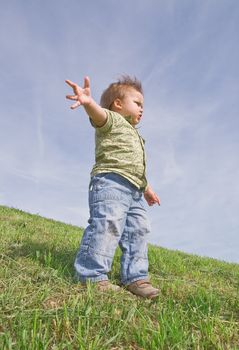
{"x":139,"y":104}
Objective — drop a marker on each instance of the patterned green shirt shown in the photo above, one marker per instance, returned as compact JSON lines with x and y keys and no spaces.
{"x":120,"y":149}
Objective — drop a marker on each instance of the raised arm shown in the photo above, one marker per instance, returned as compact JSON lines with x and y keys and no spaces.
{"x":82,"y":97}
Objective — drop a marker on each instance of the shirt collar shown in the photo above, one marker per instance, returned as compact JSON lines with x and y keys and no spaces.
{"x":129,"y":119}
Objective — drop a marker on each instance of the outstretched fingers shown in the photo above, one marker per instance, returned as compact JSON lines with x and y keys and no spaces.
{"x":74,"y":86}
{"x":86,"y":83}
{"x":72,"y":97}
{"x":75,"y":105}
{"x":69,"y":82}
{"x":81,"y":94}
{"x":75,"y":97}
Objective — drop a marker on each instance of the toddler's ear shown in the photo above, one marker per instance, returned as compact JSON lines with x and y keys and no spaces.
{"x":117,"y":104}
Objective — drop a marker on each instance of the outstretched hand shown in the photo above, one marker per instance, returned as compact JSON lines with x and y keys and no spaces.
{"x":82,"y":96}
{"x":151,"y":197}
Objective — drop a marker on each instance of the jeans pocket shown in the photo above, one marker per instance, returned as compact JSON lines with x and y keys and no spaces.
{"x":96,"y":183}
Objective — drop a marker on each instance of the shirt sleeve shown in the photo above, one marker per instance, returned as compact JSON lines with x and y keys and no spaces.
{"x":108,"y":124}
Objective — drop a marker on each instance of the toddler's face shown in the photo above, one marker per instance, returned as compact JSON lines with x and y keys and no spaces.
{"x":132,"y":105}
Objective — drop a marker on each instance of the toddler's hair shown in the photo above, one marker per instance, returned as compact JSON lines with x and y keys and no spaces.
{"x":117,"y":90}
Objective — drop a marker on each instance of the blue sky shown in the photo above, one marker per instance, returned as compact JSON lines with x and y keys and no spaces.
{"x":186,"y":54}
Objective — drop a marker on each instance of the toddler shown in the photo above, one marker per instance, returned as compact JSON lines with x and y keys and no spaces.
{"x":117,"y":187}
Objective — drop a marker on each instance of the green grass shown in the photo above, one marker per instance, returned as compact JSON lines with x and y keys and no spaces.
{"x":42,"y":307}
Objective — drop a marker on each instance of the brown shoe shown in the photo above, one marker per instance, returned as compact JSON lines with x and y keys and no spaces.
{"x":143,"y":288}
{"x":106,"y":285}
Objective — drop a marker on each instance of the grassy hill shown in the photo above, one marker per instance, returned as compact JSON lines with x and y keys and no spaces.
{"x":42,"y":307}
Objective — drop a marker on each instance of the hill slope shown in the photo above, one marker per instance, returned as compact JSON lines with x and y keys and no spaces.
{"x":41,"y":306}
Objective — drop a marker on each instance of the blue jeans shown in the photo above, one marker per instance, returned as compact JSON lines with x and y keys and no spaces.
{"x":117,"y":217}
